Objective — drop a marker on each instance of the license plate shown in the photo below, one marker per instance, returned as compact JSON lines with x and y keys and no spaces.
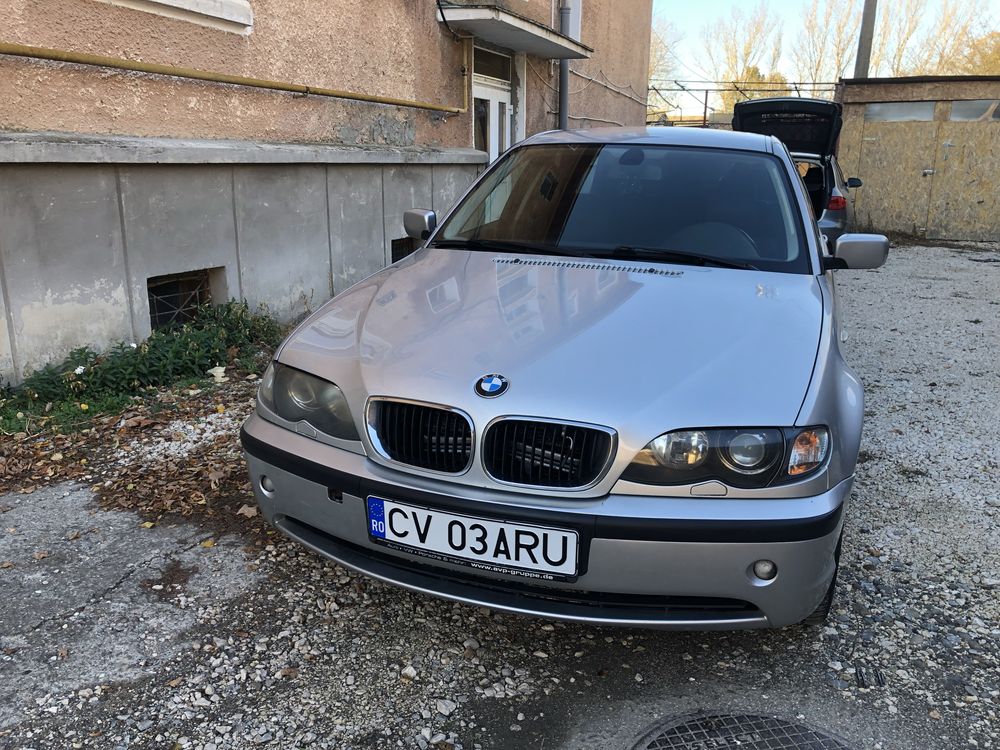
{"x":499,"y":546}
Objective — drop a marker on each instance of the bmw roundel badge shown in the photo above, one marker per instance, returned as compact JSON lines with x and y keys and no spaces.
{"x":492,"y":385}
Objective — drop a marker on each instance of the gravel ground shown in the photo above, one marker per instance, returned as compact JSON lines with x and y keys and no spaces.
{"x":170,"y":640}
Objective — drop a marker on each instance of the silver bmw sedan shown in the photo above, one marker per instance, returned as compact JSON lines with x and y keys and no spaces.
{"x":607,"y":388}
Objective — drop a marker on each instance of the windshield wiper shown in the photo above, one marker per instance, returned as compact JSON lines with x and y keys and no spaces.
{"x":664,"y":255}
{"x":511,"y":246}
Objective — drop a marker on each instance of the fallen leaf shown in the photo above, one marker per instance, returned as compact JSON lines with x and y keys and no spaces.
{"x":41,"y":554}
{"x":249,"y":511}
{"x":73,"y":535}
{"x":208,"y":543}
{"x":62,"y":653}
{"x":6,"y":564}
{"x":289,"y":672}
{"x":175,"y":682}
{"x":147,"y":524}
{"x":56,"y":457}
{"x":220,"y":408}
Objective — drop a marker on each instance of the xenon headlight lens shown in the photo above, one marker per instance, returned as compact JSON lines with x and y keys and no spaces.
{"x":297,"y":396}
{"x":739,"y":457}
{"x":751,"y":452}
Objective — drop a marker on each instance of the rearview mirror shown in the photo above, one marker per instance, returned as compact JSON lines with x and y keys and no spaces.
{"x":854,"y":182}
{"x":419,"y":223}
{"x":859,"y":251}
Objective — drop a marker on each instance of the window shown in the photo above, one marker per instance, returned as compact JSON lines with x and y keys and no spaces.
{"x":974,"y":109}
{"x":595,"y":198}
{"x":491,"y":64}
{"x":174,"y":298}
{"x":227,"y":15}
{"x":402,"y":247}
{"x":900,"y":111}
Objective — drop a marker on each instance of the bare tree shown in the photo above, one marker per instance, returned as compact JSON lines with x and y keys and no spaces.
{"x":982,"y":56}
{"x":754,"y":85}
{"x":911,"y":41}
{"x":735,"y":44}
{"x":825,"y":40}
{"x":895,"y":30}
{"x":664,"y":39}
{"x":942,"y":46}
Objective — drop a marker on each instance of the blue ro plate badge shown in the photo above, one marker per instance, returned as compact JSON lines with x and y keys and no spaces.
{"x":515,"y":549}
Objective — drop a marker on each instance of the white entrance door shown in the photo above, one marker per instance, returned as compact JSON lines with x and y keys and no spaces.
{"x":494,"y":118}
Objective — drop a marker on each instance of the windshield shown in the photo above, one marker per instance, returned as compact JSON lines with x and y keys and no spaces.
{"x":650,"y":202}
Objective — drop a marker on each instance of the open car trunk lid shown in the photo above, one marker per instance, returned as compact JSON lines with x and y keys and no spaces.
{"x":807,"y":126}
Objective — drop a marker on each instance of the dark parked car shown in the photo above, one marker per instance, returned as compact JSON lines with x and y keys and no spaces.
{"x":810,"y":129}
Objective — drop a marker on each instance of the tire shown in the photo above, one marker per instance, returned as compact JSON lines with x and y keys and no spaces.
{"x":822,"y":612}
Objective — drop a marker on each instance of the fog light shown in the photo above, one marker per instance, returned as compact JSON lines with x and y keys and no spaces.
{"x":266,"y":484}
{"x":765,"y":570}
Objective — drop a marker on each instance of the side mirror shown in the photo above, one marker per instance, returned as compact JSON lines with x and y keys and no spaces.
{"x":419,"y":223}
{"x":854,"y":182}
{"x":859,"y":251}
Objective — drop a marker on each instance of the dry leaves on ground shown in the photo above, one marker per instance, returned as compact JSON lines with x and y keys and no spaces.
{"x":176,"y":453}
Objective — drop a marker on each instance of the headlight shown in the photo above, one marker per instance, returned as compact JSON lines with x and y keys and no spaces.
{"x":744,"y":457}
{"x":297,"y":396}
{"x":681,"y":450}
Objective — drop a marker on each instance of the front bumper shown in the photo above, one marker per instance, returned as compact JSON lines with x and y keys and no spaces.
{"x":681,"y":563}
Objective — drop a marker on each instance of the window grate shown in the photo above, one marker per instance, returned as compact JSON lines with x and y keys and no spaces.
{"x":175,"y":298}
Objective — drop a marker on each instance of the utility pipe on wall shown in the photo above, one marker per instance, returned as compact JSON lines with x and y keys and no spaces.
{"x":564,"y":13}
{"x":82,"y":58}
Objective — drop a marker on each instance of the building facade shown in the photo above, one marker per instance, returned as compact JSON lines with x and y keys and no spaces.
{"x":155,"y":154}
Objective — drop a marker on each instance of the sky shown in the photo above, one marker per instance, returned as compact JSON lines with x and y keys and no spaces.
{"x":689,"y":17}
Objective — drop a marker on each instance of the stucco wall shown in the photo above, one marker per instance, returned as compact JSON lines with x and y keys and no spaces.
{"x":608,"y":89}
{"x":937,"y":178}
{"x":298,"y":41}
{"x":375,"y":47}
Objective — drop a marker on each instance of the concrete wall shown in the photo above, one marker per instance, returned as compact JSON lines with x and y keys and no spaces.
{"x":937,"y":178}
{"x":79,"y":241}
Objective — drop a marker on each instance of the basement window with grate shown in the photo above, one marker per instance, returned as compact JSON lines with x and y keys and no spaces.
{"x":175,"y":298}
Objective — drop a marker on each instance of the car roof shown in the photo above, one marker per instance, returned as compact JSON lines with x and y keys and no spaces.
{"x":657,"y":136}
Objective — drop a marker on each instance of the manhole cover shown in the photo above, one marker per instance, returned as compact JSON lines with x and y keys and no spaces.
{"x":712,"y":732}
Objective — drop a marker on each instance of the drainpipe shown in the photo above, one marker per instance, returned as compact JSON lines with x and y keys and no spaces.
{"x":564,"y":12}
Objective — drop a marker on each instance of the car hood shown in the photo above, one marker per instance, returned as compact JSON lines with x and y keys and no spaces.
{"x":640,"y":347}
{"x":810,"y":126}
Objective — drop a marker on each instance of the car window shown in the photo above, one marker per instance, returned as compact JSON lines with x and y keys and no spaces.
{"x":726,"y":204}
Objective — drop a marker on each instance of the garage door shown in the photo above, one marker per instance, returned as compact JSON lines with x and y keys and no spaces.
{"x":966,"y":180}
{"x":897,"y":166}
